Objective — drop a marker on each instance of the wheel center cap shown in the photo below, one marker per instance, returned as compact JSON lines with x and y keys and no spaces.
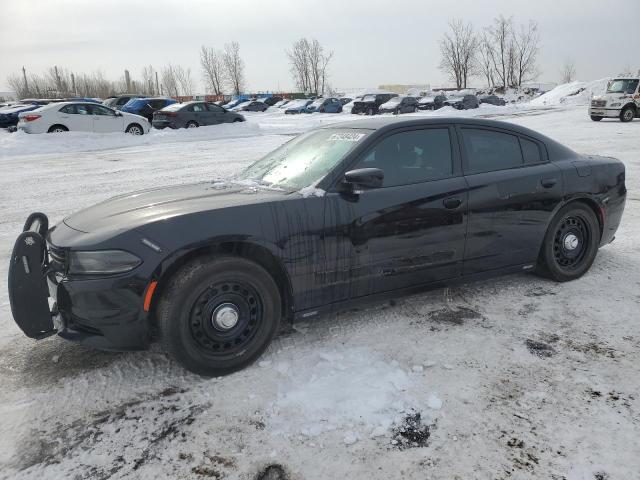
{"x":225,"y":316}
{"x":571,"y":242}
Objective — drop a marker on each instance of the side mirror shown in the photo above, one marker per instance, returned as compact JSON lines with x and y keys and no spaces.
{"x":363,"y":178}
{"x":118,"y":113}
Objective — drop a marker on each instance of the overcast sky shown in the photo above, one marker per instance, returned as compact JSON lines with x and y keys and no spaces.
{"x":375,"y":42}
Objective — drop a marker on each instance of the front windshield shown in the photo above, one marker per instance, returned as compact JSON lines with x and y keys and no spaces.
{"x":318,"y":102}
{"x":369,"y":98}
{"x":395,"y":100}
{"x":622,"y":86}
{"x":305,"y":160}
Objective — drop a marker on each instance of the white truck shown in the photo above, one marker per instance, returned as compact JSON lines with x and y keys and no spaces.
{"x":621,"y":100}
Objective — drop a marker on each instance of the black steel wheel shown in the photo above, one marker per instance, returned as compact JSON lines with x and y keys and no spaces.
{"x":571,"y":243}
{"x":217,"y":315}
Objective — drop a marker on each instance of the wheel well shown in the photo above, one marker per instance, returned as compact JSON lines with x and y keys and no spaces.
{"x":250,"y":251}
{"x":594,"y":207}
{"x":57,"y":125}
{"x":132,"y":124}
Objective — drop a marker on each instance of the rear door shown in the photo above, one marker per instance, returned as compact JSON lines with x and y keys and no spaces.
{"x":410,"y":231}
{"x":105,"y":119}
{"x":77,"y":118}
{"x":199,"y":113}
{"x":513,"y":189}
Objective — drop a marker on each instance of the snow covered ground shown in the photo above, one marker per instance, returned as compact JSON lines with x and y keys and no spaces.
{"x":512,"y":378}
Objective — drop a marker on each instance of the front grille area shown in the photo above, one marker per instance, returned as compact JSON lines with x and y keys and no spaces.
{"x":598,"y":103}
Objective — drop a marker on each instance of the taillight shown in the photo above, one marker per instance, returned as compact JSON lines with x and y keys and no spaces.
{"x":30,"y":118}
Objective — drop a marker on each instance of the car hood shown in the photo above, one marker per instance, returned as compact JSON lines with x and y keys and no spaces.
{"x":140,"y":208}
{"x":133,"y":116}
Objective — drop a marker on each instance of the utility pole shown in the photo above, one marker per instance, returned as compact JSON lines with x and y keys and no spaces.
{"x":73,"y":85}
{"x":26,"y":86}
{"x":127,"y":80}
{"x":157,"y":85}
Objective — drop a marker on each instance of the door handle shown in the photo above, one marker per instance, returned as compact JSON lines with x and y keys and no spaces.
{"x":452,"y":203}
{"x":548,"y":182}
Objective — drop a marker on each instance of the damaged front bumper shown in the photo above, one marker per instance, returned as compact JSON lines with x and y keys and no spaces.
{"x":104,"y":313}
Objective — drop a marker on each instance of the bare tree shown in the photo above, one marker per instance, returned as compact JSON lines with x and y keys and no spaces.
{"x":148,"y":79}
{"x":484,"y":63}
{"x":458,"y":51}
{"x":568,"y":71}
{"x":526,"y":45}
{"x":233,"y":67}
{"x":212,"y":69}
{"x":185,"y":82}
{"x":299,"y":59}
{"x":170,"y":81}
{"x":309,"y":65}
{"x":499,"y":38}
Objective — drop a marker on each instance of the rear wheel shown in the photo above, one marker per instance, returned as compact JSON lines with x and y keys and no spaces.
{"x":570,"y":244}
{"x":595,"y":119}
{"x":57,"y":129}
{"x":134,"y":129}
{"x":627,"y":114}
{"x":192,"y":124}
{"x":219,"y":314}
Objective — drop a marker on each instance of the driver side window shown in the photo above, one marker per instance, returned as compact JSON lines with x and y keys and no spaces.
{"x":411,"y":157}
{"x":100,"y":110}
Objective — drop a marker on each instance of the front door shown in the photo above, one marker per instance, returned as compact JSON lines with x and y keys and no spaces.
{"x":105,"y":120}
{"x":408,"y":232}
{"x":513,"y":190}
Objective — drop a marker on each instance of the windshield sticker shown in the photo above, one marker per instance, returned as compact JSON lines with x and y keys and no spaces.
{"x":346,"y":137}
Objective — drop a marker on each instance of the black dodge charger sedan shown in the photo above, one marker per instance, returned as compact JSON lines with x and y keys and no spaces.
{"x":336,"y":216}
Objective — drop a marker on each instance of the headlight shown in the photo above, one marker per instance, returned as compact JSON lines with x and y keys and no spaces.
{"x":102,"y":262}
{"x":615,"y":104}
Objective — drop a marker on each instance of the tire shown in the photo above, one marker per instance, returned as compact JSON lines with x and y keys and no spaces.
{"x":238,"y":120}
{"x":595,"y":119}
{"x":370,"y":111}
{"x":627,"y":114}
{"x":192,"y":124}
{"x":134,"y":129}
{"x":570,"y":244}
{"x":231,"y":288}
{"x":57,"y":129}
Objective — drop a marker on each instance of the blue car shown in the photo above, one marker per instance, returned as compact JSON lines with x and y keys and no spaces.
{"x":235,"y":103}
{"x":9,"y":115}
{"x":146,"y":106}
{"x":325,"y":105}
{"x":297,"y":106}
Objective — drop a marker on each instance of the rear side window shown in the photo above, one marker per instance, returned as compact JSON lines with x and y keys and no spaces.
{"x":198,"y":107}
{"x":411,"y":157}
{"x":530,"y":151}
{"x":488,"y":150}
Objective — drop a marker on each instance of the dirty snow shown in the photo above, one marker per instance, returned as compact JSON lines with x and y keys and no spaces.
{"x":511,"y":378}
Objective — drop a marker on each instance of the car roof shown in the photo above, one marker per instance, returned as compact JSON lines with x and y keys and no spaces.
{"x":386,"y":123}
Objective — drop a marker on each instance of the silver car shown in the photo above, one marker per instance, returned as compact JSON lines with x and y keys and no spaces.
{"x":193,"y":115}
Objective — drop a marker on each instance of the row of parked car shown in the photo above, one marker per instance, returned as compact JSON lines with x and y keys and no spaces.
{"x":136,"y":114}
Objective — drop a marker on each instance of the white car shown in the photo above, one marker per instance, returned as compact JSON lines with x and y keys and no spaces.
{"x":81,"y":117}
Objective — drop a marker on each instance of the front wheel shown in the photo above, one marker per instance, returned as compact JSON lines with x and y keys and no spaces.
{"x":595,"y":119}
{"x":627,"y":114}
{"x":570,"y":244}
{"x":219,"y":314}
{"x":192,"y":124}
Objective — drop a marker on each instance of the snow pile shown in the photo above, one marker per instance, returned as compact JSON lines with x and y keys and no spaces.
{"x":20,"y":143}
{"x":574,"y":93}
{"x":331,"y":397}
